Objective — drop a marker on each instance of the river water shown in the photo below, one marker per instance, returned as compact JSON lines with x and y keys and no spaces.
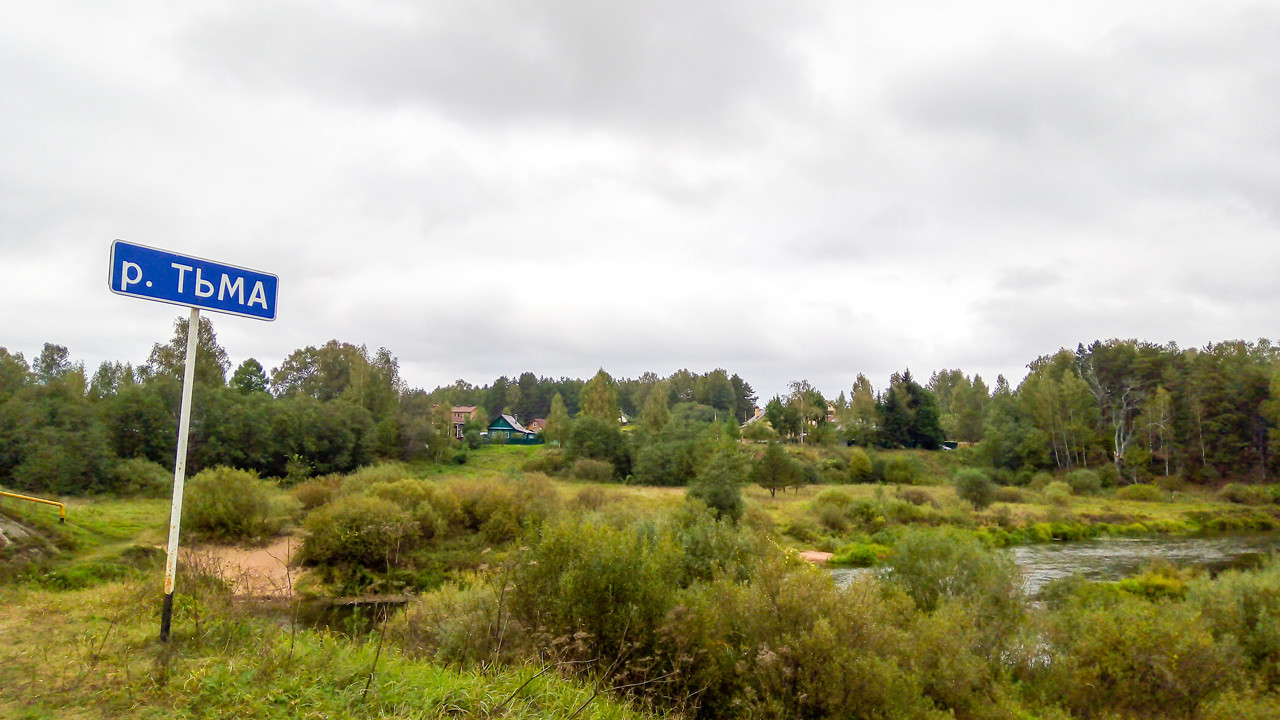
{"x":1116,"y":558}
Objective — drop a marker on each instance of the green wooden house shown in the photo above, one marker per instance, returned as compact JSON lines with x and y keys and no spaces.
{"x":507,"y":429}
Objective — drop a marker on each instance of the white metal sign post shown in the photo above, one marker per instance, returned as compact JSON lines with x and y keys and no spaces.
{"x":162,"y":276}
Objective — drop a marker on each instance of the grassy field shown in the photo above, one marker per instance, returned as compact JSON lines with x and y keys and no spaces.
{"x":95,"y":654}
{"x":78,"y":638}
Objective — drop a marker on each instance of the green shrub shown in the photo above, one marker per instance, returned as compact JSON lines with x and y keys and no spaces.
{"x":791,"y":645}
{"x":454,"y":624}
{"x":832,"y":497}
{"x":139,"y":477}
{"x":592,"y":470}
{"x":234,"y":505}
{"x":973,"y":486}
{"x":1242,"y":705}
{"x":804,"y":530}
{"x":613,"y":584}
{"x":719,"y":484}
{"x":916,"y":496}
{"x":1084,"y":482}
{"x":370,"y":474}
{"x":1244,"y":605}
{"x":1141,"y":493}
{"x":1040,"y":481}
{"x":598,"y":439}
{"x":933,"y":563}
{"x":1009,"y":495}
{"x":1057,"y":493}
{"x":860,"y":467}
{"x":591,"y":498}
{"x":832,"y":518}
{"x":1129,"y":657}
{"x":861,"y":554}
{"x":902,"y":470}
{"x":358,"y":531}
{"x":1108,"y":475}
{"x":1157,"y":580}
{"x":1245,"y":494}
{"x":315,"y":492}
{"x":430,"y":505}
{"x":548,"y":460}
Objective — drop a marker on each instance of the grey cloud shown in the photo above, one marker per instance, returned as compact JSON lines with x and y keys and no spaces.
{"x":1181,"y":109}
{"x":638,"y":64}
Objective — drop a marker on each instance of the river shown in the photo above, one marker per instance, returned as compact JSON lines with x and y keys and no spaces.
{"x":1115,"y":558}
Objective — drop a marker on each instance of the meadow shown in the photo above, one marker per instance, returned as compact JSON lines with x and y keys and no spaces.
{"x":537,"y":594}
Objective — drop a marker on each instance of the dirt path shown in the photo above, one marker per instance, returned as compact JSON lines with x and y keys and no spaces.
{"x":252,"y":572}
{"x":816,"y":557}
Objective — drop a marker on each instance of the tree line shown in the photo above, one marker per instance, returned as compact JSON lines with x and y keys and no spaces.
{"x":1130,"y":409}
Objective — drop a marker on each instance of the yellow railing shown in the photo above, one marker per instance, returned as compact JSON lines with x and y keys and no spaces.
{"x":62,"y":507}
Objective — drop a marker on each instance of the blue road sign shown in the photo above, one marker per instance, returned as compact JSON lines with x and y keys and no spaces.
{"x":151,"y":274}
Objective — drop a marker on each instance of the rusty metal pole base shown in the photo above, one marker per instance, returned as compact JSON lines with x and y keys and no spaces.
{"x":166,"y":617}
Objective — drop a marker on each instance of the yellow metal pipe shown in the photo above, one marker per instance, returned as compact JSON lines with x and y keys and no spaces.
{"x":62,"y":507}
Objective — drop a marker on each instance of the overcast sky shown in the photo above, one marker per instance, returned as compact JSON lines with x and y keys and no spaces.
{"x":790,"y":189}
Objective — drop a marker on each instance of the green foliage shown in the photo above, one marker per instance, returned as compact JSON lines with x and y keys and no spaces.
{"x":599,"y":398}
{"x":860,"y":467}
{"x":790,"y":645}
{"x":358,"y":531}
{"x":1009,"y":494}
{"x":51,"y":441}
{"x":1242,"y":494}
{"x":759,"y":431}
{"x":612,"y":584}
{"x":599,"y":439}
{"x":234,"y":505}
{"x":776,"y":470}
{"x":558,"y":422}
{"x":211,"y":362}
{"x":139,"y":477}
{"x":1084,"y":482}
{"x":317,"y":491}
{"x":934,"y":564}
{"x":670,"y":459}
{"x":908,"y":415}
{"x":974,"y":487}
{"x":1140,"y":493}
{"x":1243,"y":607}
{"x":1157,"y":580}
{"x":592,"y":470}
{"x":1129,"y":656}
{"x":431,"y":506}
{"x":719,"y":484}
{"x":97,"y":648}
{"x":903,"y":470}
{"x":1057,"y":493}
{"x":547,"y":460}
{"x":499,"y":510}
{"x":861,"y":554}
{"x":249,"y":377}
{"x":453,"y":625}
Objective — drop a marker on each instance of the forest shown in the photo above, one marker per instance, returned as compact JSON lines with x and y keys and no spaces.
{"x":1130,"y":410}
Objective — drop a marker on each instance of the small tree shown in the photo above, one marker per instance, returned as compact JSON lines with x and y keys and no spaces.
{"x":557,"y":429}
{"x":860,"y":466}
{"x":973,"y":486}
{"x":719,"y":485}
{"x":775,"y":470}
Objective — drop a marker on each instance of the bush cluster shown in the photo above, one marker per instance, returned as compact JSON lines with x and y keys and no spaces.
{"x":708,"y":619}
{"x":1141,"y":493}
{"x":974,"y":487}
{"x":234,"y":505}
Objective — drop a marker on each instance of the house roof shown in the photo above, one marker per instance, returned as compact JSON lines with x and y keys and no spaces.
{"x":464,"y":408}
{"x":515,"y":425}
